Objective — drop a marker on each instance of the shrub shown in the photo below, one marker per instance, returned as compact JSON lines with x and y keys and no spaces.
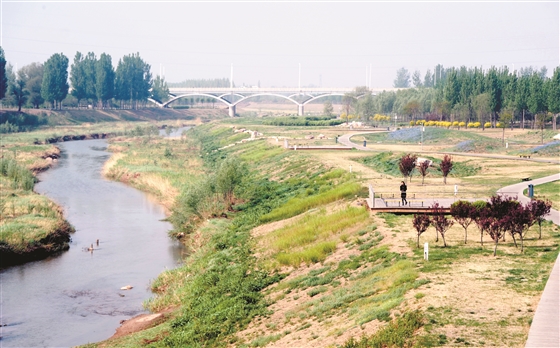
{"x":399,"y":333}
{"x":446,"y":166}
{"x":407,"y":164}
{"x":20,"y":177}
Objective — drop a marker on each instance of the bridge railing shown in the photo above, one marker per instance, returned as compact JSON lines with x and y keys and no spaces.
{"x":269,"y":89}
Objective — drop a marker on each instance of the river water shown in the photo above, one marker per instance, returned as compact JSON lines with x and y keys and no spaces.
{"x":75,"y":297}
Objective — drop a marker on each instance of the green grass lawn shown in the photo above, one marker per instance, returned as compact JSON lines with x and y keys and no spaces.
{"x":550,"y":191}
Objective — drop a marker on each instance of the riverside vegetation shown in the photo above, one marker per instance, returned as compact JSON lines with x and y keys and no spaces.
{"x":33,"y":227}
{"x":282,"y":253}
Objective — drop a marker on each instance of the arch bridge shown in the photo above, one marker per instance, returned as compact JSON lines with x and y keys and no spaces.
{"x":233,"y":96}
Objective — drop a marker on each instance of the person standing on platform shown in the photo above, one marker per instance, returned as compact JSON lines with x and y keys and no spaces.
{"x":403,"y":193}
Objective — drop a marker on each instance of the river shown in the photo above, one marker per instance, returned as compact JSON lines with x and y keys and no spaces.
{"x":75,"y":297}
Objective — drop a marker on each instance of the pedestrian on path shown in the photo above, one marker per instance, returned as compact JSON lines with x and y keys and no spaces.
{"x":403,"y":193}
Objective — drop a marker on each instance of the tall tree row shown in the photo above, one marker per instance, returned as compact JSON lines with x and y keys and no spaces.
{"x":55,"y":86}
{"x":104,"y":80}
{"x":133,"y":81}
{"x":473,"y":94}
{"x":92,"y":80}
{"x":3,"y":75}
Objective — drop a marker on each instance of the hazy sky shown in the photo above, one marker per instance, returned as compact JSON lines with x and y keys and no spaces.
{"x":266,"y":41}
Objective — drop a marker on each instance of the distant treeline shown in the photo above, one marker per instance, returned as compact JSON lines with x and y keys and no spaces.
{"x":303,"y":121}
{"x":191,"y":83}
{"x":468,"y":95}
{"x":90,"y":81}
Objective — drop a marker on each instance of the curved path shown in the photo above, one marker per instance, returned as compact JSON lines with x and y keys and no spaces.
{"x":545,"y":328}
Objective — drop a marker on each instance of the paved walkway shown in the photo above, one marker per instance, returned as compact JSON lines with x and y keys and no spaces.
{"x":545,"y":327}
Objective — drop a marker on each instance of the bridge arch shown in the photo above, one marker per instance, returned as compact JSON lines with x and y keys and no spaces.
{"x":235,"y":94}
{"x":196,"y":94}
{"x":266,"y":94}
{"x":322,"y":96}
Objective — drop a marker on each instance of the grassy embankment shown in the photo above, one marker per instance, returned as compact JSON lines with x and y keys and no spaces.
{"x":338,"y":273}
{"x":31,"y":226}
{"x":549,"y":191}
{"x":33,"y":119}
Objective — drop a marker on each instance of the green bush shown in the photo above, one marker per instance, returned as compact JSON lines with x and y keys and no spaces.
{"x":20,"y":177}
{"x":313,"y":121}
{"x":399,"y":333}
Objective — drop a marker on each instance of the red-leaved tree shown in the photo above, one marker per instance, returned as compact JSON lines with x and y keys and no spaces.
{"x":518,"y":220}
{"x":496,"y":230}
{"x":539,"y":209}
{"x":421,"y":223}
{"x":501,"y":206}
{"x":446,"y":165}
{"x":464,"y":213}
{"x":482,"y":218}
{"x":407,"y":164}
{"x":441,"y":223}
{"x":423,"y":169}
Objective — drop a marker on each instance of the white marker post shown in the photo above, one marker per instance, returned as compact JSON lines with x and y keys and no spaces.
{"x":426,"y":251}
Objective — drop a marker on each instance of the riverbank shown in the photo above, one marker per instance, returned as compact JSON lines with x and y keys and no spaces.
{"x":34,"y":119}
{"x":32,"y":227}
{"x":325,"y":271}
{"x":120,"y":244}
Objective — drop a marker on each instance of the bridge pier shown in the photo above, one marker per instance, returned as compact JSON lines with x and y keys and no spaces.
{"x":232,"y":111}
{"x":300,"y":110}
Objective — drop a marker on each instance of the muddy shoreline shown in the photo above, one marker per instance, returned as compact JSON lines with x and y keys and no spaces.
{"x":53,"y":244}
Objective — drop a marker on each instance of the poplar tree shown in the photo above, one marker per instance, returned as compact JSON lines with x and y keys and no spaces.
{"x":536,"y":100}
{"x":160,"y":91}
{"x":18,"y":91}
{"x":34,"y":75}
{"x":452,"y":88}
{"x":522,"y":96}
{"x":78,"y":77}
{"x":90,"y":76}
{"x":554,"y":95}
{"x":403,"y":79}
{"x":54,"y":87}
{"x":3,"y":75}
{"x":133,"y":80}
{"x":105,"y":79}
{"x":494,"y":91}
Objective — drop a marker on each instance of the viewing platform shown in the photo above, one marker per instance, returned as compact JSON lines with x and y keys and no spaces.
{"x":392,"y":203}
